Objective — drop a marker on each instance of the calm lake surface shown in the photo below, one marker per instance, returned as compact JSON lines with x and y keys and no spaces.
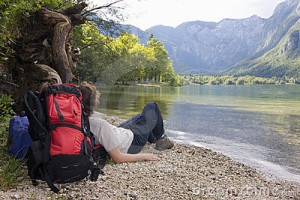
{"x":256,"y":125}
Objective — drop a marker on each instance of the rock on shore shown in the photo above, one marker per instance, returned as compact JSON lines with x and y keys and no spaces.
{"x":184,"y":172}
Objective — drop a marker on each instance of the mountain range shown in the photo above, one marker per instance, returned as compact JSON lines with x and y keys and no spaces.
{"x":251,"y":46}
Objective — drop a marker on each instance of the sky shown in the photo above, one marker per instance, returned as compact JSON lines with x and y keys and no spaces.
{"x":147,"y":13}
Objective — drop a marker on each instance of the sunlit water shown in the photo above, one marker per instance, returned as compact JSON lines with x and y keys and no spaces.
{"x":256,"y":125}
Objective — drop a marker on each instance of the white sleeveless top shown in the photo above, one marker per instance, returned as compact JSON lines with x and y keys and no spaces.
{"x":109,"y":135}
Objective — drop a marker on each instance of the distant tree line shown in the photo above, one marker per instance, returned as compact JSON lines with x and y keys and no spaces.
{"x":240,"y":80}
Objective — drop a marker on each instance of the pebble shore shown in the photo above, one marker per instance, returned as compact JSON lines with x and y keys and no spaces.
{"x":184,"y":172}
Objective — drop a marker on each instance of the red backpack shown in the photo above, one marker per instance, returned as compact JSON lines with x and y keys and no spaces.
{"x":62,"y":145}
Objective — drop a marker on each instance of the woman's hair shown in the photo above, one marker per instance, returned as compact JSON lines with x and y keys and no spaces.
{"x":90,"y":96}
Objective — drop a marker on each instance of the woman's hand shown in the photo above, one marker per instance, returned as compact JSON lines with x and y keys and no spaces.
{"x":119,"y":157}
{"x":150,"y":157}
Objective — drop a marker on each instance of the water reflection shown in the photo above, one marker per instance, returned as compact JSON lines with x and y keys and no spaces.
{"x":126,"y":101}
{"x":113,"y":98}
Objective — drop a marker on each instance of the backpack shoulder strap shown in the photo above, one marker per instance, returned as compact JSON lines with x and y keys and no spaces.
{"x":35,"y":111}
{"x":50,"y":182}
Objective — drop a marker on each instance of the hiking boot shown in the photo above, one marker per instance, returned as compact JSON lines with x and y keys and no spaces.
{"x":163,"y":143}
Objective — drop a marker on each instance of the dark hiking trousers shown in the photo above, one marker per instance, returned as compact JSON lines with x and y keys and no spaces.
{"x":147,"y":126}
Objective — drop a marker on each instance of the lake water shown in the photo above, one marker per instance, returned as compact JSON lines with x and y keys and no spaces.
{"x":258,"y":125}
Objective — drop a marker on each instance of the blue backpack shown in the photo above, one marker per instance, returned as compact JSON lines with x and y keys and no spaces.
{"x":18,"y":140}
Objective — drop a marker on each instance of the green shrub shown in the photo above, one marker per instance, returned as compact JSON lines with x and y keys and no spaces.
{"x":10,"y":168}
{"x":6,"y":112}
{"x":240,"y":81}
{"x":229,"y":82}
{"x":11,"y":171}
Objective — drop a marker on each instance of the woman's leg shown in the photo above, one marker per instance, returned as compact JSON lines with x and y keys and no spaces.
{"x":147,"y":126}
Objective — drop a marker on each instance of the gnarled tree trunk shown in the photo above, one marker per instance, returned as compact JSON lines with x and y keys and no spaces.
{"x":61,"y":62}
{"x":45,"y":41}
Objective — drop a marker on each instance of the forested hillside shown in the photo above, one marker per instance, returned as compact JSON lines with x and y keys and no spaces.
{"x":282,"y":59}
{"x":245,"y":46}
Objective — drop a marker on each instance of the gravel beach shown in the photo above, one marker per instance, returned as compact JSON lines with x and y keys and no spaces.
{"x":184,"y":172}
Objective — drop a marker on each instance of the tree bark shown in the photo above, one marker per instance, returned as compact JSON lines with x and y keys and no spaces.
{"x":61,"y":62}
{"x":45,"y":41}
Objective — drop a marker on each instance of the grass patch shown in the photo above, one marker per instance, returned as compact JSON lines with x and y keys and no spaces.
{"x":11,"y":172}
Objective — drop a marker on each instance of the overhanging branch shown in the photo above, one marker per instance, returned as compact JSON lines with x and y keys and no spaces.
{"x":101,"y":7}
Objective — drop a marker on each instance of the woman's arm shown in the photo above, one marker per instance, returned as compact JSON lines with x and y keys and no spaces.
{"x":119,"y":157}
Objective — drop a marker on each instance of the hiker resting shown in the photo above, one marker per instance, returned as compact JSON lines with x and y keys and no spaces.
{"x":125,"y":142}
